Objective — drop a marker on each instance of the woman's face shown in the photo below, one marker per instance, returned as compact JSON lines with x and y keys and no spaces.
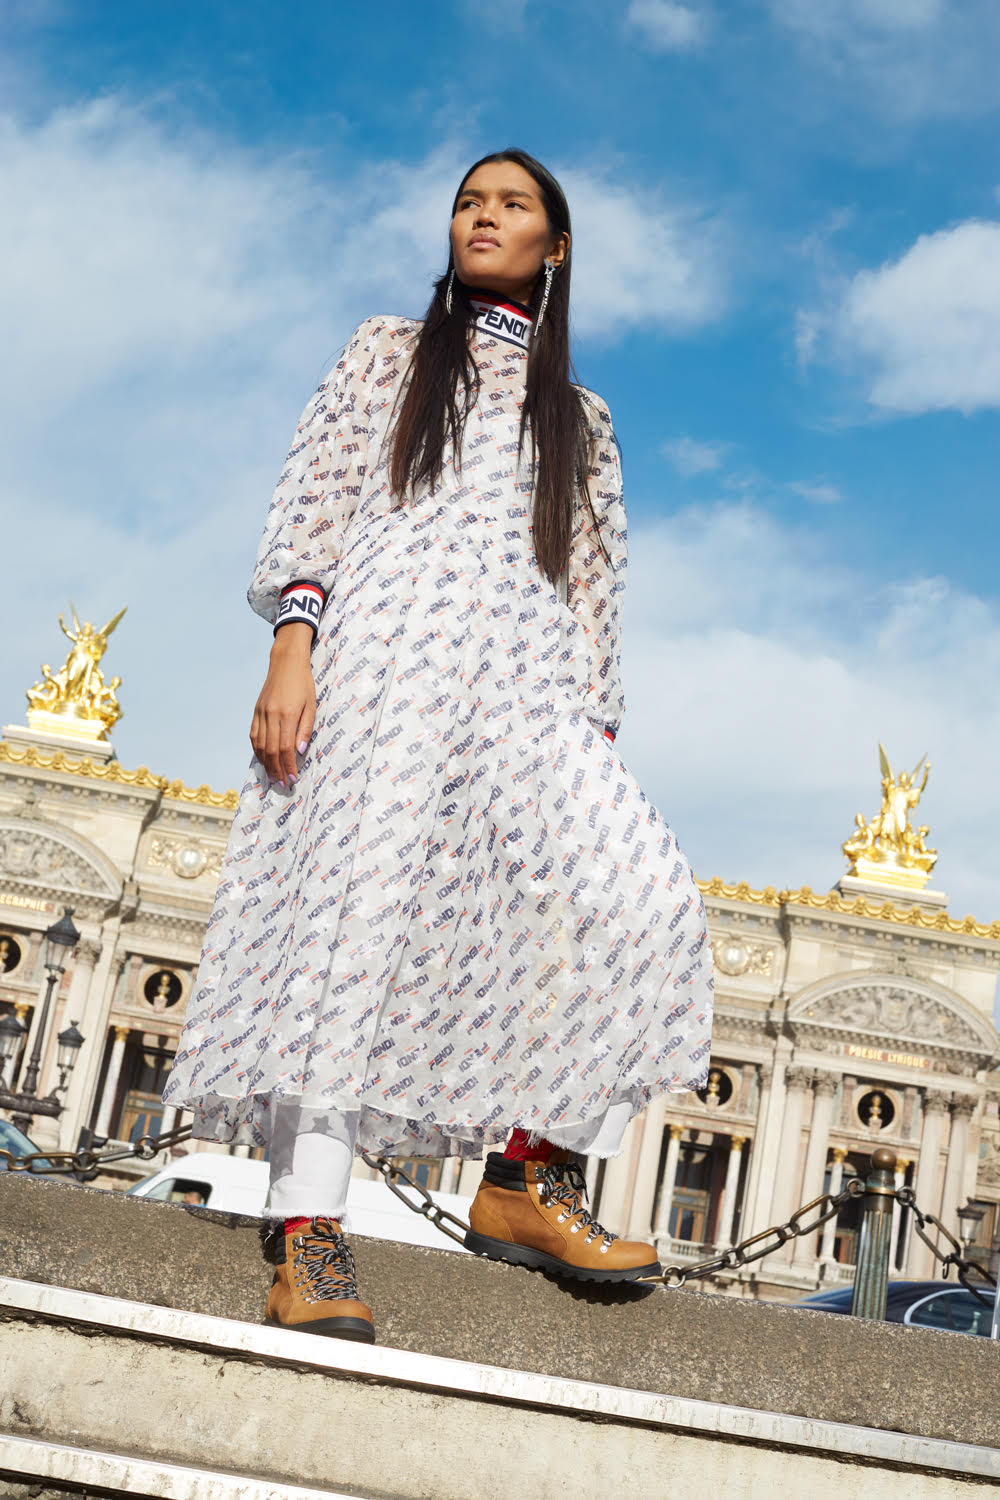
{"x":500,"y":234}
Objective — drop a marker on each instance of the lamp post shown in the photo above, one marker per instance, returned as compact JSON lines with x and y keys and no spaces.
{"x":60,"y":940}
{"x":968,"y":1218}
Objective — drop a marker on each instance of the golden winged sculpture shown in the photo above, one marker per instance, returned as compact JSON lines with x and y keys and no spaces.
{"x":76,"y":700}
{"x":887,"y":849}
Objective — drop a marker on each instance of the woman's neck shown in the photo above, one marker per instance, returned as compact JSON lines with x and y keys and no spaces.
{"x":500,"y":317}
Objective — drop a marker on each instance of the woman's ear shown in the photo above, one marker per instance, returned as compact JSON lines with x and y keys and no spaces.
{"x":559,"y":250}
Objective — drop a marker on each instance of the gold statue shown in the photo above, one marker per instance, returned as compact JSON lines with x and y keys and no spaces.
{"x":76,"y":700}
{"x":889,"y":850}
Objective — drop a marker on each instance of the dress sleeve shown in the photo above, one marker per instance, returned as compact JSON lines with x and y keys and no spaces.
{"x":596,"y":582}
{"x":318,"y":490}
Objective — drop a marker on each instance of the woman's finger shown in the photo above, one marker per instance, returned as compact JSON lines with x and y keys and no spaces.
{"x":272,"y":734}
{"x":303,"y":733}
{"x":288,"y":766}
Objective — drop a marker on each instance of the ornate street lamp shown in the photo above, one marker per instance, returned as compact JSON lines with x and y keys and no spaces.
{"x":12,"y":1035}
{"x":969,"y":1217}
{"x":68,"y":1044}
{"x":60,"y":940}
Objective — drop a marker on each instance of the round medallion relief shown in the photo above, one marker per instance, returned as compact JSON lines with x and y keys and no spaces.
{"x":876,"y":1110}
{"x":189,"y":861}
{"x":732,"y":956}
{"x":10,"y":953}
{"x":163,"y":989}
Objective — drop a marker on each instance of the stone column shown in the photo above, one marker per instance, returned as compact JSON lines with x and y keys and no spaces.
{"x":786,"y":1176}
{"x":111,"y":1081}
{"x":78,"y":1008}
{"x":23,"y":1012}
{"x":450,"y":1169}
{"x":962,"y":1109}
{"x":132,"y":979}
{"x":616,"y":1187}
{"x":592,"y":1167}
{"x":804,"y":1254}
{"x":928,"y":1194}
{"x":640,"y":1219}
{"x":899,"y":1181}
{"x":662,"y":1227}
{"x":470,"y":1175}
{"x":88,"y":1069}
{"x":724,"y":1235}
{"x":764,"y":1151}
{"x":826,"y":1247}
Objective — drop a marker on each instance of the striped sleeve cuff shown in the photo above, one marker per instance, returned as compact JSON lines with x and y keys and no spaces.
{"x":300,"y":604}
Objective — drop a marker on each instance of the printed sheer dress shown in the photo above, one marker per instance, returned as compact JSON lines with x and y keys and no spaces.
{"x":465,"y":915}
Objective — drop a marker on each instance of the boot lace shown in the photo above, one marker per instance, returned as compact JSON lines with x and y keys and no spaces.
{"x":323,"y":1259}
{"x":563,"y":1182}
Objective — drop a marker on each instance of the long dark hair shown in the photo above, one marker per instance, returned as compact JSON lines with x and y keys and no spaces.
{"x":444,"y":384}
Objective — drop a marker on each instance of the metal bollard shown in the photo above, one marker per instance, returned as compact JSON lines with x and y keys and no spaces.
{"x":871,"y":1276}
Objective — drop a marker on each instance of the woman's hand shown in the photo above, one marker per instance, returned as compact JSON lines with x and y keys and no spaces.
{"x":286,"y":709}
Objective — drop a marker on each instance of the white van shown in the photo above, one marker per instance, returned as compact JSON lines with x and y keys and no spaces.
{"x":238,"y":1185}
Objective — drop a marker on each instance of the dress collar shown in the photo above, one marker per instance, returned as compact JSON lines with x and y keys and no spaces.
{"x":501,"y":318}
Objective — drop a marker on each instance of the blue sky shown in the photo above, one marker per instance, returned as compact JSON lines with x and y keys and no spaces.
{"x":787,"y":287}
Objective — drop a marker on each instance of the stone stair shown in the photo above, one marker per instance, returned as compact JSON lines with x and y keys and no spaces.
{"x":134,"y":1362}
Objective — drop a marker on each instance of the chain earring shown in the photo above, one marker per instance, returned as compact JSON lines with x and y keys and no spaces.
{"x":550,"y":271}
{"x":447,"y":294}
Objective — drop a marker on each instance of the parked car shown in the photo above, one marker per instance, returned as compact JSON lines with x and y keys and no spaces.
{"x":922,"y":1304}
{"x":237,"y":1184}
{"x":18,"y":1144}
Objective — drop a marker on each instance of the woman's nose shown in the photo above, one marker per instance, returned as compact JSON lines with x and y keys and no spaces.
{"x":485,"y":216}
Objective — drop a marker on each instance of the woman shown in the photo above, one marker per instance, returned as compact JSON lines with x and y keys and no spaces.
{"x":448,"y":916}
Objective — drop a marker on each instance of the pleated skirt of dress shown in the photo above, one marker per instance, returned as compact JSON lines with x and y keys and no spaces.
{"x":465,"y":915}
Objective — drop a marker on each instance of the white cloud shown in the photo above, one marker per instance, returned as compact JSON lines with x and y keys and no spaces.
{"x":818,"y":492}
{"x":689,"y":457}
{"x":666,"y":25}
{"x":496,"y":18}
{"x":760,"y":677}
{"x":924,"y":330}
{"x":168,"y":302}
{"x":837,"y":18}
{"x":904,"y":58}
{"x":641,"y":259}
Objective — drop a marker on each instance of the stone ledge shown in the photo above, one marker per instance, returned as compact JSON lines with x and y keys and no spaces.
{"x":217,"y":1401}
{"x":757,"y":1355}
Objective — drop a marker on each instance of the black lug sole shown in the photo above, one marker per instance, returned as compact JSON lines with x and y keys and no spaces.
{"x":537,"y":1260}
{"x":357,"y":1330}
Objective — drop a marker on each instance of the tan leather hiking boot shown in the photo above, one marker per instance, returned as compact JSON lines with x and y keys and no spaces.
{"x":314,"y":1288}
{"x":535,"y":1214}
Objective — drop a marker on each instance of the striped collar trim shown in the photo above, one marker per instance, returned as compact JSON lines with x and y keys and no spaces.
{"x":500,"y":318}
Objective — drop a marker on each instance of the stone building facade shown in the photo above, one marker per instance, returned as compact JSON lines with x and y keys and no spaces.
{"x":844,"y":1020}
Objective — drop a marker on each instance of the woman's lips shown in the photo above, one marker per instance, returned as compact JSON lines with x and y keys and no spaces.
{"x":485,"y":243}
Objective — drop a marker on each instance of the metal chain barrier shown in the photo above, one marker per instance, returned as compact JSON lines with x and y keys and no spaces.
{"x":426,"y":1205}
{"x":87,"y":1163}
{"x":768,"y":1240}
{"x":964,"y":1267}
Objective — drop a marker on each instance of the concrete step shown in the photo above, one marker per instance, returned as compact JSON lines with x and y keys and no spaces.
{"x":763,"y":1356}
{"x":148,"y":1400}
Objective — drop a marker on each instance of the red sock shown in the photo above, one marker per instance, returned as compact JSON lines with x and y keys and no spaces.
{"x":292,"y":1226}
{"x":519,"y":1149}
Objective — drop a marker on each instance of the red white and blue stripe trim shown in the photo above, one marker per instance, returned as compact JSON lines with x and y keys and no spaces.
{"x":301,"y":603}
{"x":499,"y":318}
